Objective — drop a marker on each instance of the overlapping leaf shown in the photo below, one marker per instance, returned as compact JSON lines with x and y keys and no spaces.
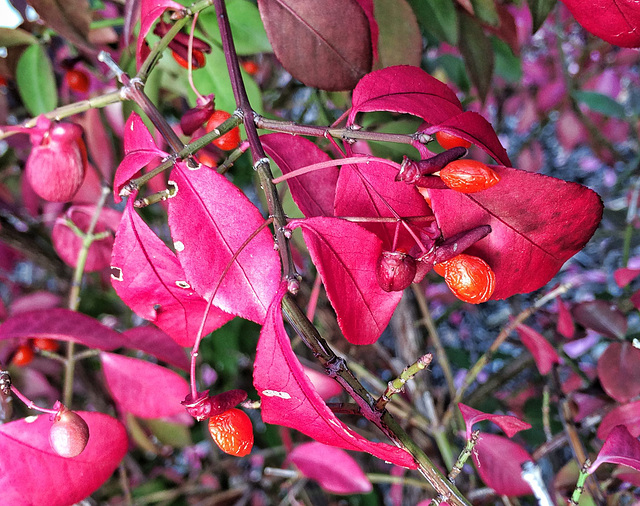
{"x":537,"y":224}
{"x":601,"y":316}
{"x":289,"y":399}
{"x":220,"y":220}
{"x":543,"y":353}
{"x":156,"y":343}
{"x":509,"y":424}
{"x":615,"y":21}
{"x":150,"y":11}
{"x":620,"y":448}
{"x":626,"y":414}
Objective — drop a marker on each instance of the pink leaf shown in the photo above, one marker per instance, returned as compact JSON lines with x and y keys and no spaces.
{"x":498,"y":462}
{"x":625,"y":276}
{"x":147,"y":276}
{"x":509,"y":424}
{"x":32,"y":473}
{"x":325,"y":386}
{"x":150,"y":11}
{"x":35,"y":300}
{"x":314,"y":193}
{"x":543,"y":353}
{"x":619,"y":371}
{"x":404,"y":89}
{"x":619,"y":448}
{"x":156,"y":343}
{"x":144,"y":389}
{"x":289,"y":399}
{"x":538,"y":223}
{"x":626,"y":414}
{"x":334,"y":469}
{"x":565,"y":326}
{"x":221,"y":219}
{"x":98,"y":143}
{"x":346,"y":256}
{"x":62,"y":325}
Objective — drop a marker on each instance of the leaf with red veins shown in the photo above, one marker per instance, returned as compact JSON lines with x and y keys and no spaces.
{"x":369,"y":190}
{"x":62,"y":325}
{"x":404,"y":89}
{"x":537,"y":223}
{"x":543,"y":353}
{"x":144,"y":389}
{"x":474,"y":128}
{"x":150,"y":12}
{"x":33,"y":473}
{"x":620,"y":448}
{"x":615,"y":21}
{"x":346,"y":257}
{"x":315,"y":192}
{"x":626,"y":414}
{"x":148,"y":277}
{"x":509,"y":424}
{"x":498,"y":462}
{"x":289,"y":399}
{"x":619,"y":371}
{"x":220,"y":219}
{"x":156,"y":343}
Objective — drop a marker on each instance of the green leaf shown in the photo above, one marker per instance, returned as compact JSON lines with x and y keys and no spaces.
{"x":485,"y":11}
{"x":15,"y":37}
{"x":36,"y":82}
{"x":508,"y":66}
{"x":477,"y":52}
{"x":455,"y":70}
{"x":248,"y":31}
{"x":540,"y":9}
{"x":400,"y":41}
{"x":437,"y":17}
{"x":172,"y":434}
{"x":598,"y":102}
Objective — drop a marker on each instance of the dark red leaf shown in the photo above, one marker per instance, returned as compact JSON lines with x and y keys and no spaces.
{"x":509,"y":424}
{"x":601,"y":316}
{"x":328,"y":48}
{"x":619,"y":371}
{"x":156,"y":343}
{"x":619,"y":448}
{"x":98,"y":143}
{"x":148,"y":277}
{"x":615,"y":21}
{"x":627,"y":415}
{"x":346,"y":255}
{"x":32,"y":473}
{"x":537,"y":223}
{"x":565,"y":325}
{"x":289,"y":399}
{"x":221,"y":219}
{"x":543,"y":353}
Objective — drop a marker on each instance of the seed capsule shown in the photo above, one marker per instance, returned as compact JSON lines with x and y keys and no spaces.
{"x":395,"y":270}
{"x":232,"y":431}
{"x":468,"y":176}
{"x":469,"y":278}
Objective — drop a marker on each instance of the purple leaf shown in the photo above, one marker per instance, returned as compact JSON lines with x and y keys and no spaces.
{"x":626,"y":414}
{"x":509,"y":424}
{"x":405,"y":89}
{"x":156,"y":343}
{"x":334,"y":469}
{"x":346,"y":256}
{"x":314,"y":193}
{"x":601,"y":316}
{"x":543,"y":353}
{"x":32,"y":473}
{"x":289,"y":399}
{"x":537,"y":223}
{"x":621,"y":448}
{"x":144,"y":389}
{"x":62,"y":325}
{"x":619,"y":371}
{"x":328,"y":48}
{"x":147,"y":276}
{"x":221,"y":219}
{"x":498,"y":462}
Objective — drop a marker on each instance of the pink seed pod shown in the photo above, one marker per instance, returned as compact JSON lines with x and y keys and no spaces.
{"x":196,"y":117}
{"x":205,"y":406}
{"x":395,"y":270}
{"x":69,"y":433}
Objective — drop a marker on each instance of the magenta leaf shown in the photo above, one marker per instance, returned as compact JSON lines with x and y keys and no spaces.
{"x":368,"y":8}
{"x":63,"y":325}
{"x":144,"y":389}
{"x":98,"y":143}
{"x":543,"y":353}
{"x":404,"y":89}
{"x":624,"y":276}
{"x":615,"y":21}
{"x":346,"y":256}
{"x":147,"y":276}
{"x":289,"y":398}
{"x":156,"y":343}
{"x":620,"y":448}
{"x":150,"y":11}
{"x":626,"y":414}
{"x":565,"y":325}
{"x":32,"y":473}
{"x":601,"y":316}
{"x":509,"y":424}
{"x":314,"y":193}
{"x":334,"y":469}
{"x":537,"y":223}
{"x":498,"y":462}
{"x":325,"y":386}
{"x":221,"y":219}
{"x":619,"y":371}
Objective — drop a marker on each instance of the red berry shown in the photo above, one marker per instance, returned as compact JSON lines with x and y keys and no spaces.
{"x":197,"y":59}
{"x":23,"y":355}
{"x":395,"y":270}
{"x":69,"y":433}
{"x":230,"y":140}
{"x":77,"y":80}
{"x":42,"y":343}
{"x":232,"y":431}
{"x":469,"y":278}
{"x":448,"y":141}
{"x":468,"y":176}
{"x":250,"y":67}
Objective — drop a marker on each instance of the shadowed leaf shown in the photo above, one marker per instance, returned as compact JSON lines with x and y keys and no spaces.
{"x":498,"y":462}
{"x":619,"y":371}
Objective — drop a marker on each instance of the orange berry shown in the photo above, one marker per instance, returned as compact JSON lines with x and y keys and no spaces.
{"x":250,"y":67}
{"x":448,"y":141}
{"x":23,"y":355}
{"x":197,"y":60}
{"x":228,"y":141}
{"x":469,"y":278}
{"x":77,"y":80}
{"x":232,"y":431}
{"x":42,"y":343}
{"x":468,"y":176}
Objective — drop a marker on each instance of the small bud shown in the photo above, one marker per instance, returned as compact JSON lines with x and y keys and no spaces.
{"x":205,"y":406}
{"x":469,"y":176}
{"x":458,"y":243}
{"x":196,"y":117}
{"x":410,"y":171}
{"x":395,"y":270}
{"x":69,"y":433}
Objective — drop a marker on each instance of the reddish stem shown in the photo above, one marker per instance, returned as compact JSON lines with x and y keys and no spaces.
{"x":30,"y":404}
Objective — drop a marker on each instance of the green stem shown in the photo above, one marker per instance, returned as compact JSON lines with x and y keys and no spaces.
{"x":396,"y":385}
{"x":582,"y":478}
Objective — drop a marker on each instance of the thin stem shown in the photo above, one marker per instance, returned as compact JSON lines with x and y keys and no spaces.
{"x":333,"y":163}
{"x":584,"y":474}
{"x":30,"y":404}
{"x":190,"y":60}
{"x":464,"y":455}
{"x":396,"y":385}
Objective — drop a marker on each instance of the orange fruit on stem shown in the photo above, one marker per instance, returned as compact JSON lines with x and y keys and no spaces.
{"x":198,"y":59}
{"x":42,"y":343}
{"x":23,"y":355}
{"x":77,"y":80}
{"x":228,"y":141}
{"x":470,"y":278}
{"x":448,"y":141}
{"x":232,"y":431}
{"x":468,"y":176}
